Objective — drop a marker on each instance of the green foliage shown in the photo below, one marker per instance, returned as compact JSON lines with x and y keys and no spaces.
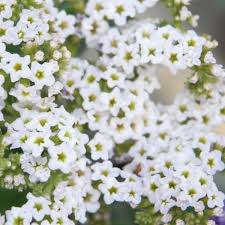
{"x":120,"y":149}
{"x":31,"y":49}
{"x":75,"y":45}
{"x":71,"y":105}
{"x":115,"y":214}
{"x":46,"y":188}
{"x":11,"y":198}
{"x":102,"y":217}
{"x":72,"y":6}
{"x":174,"y":9}
{"x":146,"y":214}
{"x":23,"y":4}
{"x":221,"y":149}
{"x":104,"y":86}
{"x":121,"y":214}
{"x":203,"y":76}
{"x":190,"y":217}
{"x":10,"y":166}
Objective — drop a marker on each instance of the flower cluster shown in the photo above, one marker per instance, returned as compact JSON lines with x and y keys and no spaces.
{"x":74,"y":195}
{"x":39,"y":24}
{"x":147,"y":43}
{"x":112,"y":103}
{"x":181,"y":13}
{"x":32,"y":30}
{"x":79,"y":135}
{"x":100,"y":13}
{"x":46,"y":133}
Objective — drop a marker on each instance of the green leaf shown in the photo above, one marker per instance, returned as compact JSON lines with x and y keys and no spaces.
{"x":11,"y":198}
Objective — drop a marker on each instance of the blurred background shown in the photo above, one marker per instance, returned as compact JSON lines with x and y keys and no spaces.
{"x":212,"y":21}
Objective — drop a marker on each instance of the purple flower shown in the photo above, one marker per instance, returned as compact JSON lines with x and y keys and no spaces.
{"x":219,"y":220}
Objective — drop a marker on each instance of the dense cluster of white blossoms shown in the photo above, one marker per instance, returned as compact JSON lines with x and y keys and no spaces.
{"x":101,"y":14}
{"x":77,"y":122}
{"x":34,"y":24}
{"x":146,"y":43}
{"x":170,"y":143}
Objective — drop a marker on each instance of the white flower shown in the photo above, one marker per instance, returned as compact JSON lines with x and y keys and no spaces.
{"x":2,"y":219}
{"x":97,"y":120}
{"x":142,"y":5}
{"x":180,"y":222}
{"x":37,"y":142}
{"x":91,"y":200}
{"x":101,"y":147}
{"x":18,"y":216}
{"x":61,"y":216}
{"x":143,"y":34}
{"x":19,"y":180}
{"x":152,"y":51}
{"x":112,"y":41}
{"x":164,"y":204}
{"x":140,"y":149}
{"x":211,"y":222}
{"x":184,"y":13}
{"x":90,"y":97}
{"x":215,"y":198}
{"x":42,"y":34}
{"x":104,"y":171}
{"x":167,"y":218}
{"x":55,"y":89}
{"x":128,"y":57}
{"x":119,"y":10}
{"x":133,"y":193}
{"x":25,"y":94}
{"x":174,"y":58}
{"x":96,"y":7}
{"x":191,"y":193}
{"x":112,"y":101}
{"x":114,"y":78}
{"x":112,"y":191}
{"x":62,"y":157}
{"x":209,"y":58}
{"x":39,"y":56}
{"x":211,"y":162}
{"x":6,"y":8}
{"x":194,"y":20}
{"x":17,"y":67}
{"x":42,"y":74}
{"x":94,"y":27}
{"x":39,"y":207}
{"x":91,"y":77}
{"x":120,"y":129}
{"x":151,"y":187}
{"x":64,"y":24}
{"x":218,"y":70}
{"x":7,"y":31}
{"x":36,"y":167}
